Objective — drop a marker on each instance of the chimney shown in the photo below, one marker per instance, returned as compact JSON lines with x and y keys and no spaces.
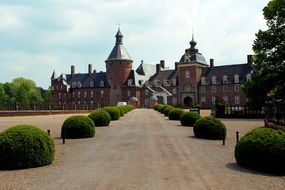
{"x":72,"y":72}
{"x":249,"y":59}
{"x":89,"y":68}
{"x":162,"y":64}
{"x":158,"y":68}
{"x":94,"y":71}
{"x":211,"y":63}
{"x":176,"y":65}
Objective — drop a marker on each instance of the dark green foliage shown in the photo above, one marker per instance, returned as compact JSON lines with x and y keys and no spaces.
{"x":78,"y":126}
{"x":100,"y":117}
{"x":163,"y":108}
{"x":130,"y":107}
{"x":175,"y":113}
{"x":189,"y":118}
{"x":209,"y":128}
{"x":167,"y":109}
{"x":25,"y":146}
{"x":158,"y":107}
{"x":113,"y":111}
{"x":122,"y":110}
{"x":262,"y":149}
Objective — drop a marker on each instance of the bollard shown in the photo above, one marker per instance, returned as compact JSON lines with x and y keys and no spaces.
{"x":237,"y":136}
{"x":224,"y":138}
{"x":48,"y":131}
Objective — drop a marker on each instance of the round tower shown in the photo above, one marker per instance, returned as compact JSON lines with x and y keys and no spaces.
{"x":118,"y":64}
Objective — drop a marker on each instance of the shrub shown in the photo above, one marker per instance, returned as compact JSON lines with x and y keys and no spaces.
{"x":209,"y":128}
{"x":114,"y":112}
{"x":189,"y":118}
{"x":130,"y":107}
{"x":166,"y":110}
{"x":158,"y":107}
{"x":163,"y":108}
{"x":100,"y":117}
{"x":122,"y":110}
{"x":175,"y":113}
{"x":78,"y":126}
{"x":25,"y":146}
{"x":262,"y":149}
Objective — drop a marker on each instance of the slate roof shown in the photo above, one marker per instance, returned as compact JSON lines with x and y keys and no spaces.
{"x":229,"y":70}
{"x":86,"y":78}
{"x":119,"y":52}
{"x":166,"y":74}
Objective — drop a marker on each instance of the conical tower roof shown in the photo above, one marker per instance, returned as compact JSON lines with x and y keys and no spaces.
{"x":119,"y":52}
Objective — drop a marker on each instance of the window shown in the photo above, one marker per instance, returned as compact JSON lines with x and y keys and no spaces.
{"x":91,"y":94}
{"x":225,"y":79}
{"x":202,"y":89}
{"x":214,"y":80}
{"x":146,"y":92}
{"x":78,"y":102}
{"x":59,"y":102}
{"x":174,"y":82}
{"x":91,"y":84}
{"x":174,"y":91}
{"x":213,"y":99}
{"x":187,"y":88}
{"x":85,"y":94}
{"x":102,"y":93}
{"x":236,"y":79}
{"x":73,"y":94}
{"x":56,"y":87}
{"x":52,"y":87}
{"x":101,"y":83}
{"x":214,"y":89}
{"x":203,"y":81}
{"x":248,"y":77}
{"x":174,"y":101}
{"x":74,"y":85}
{"x":78,"y":94}
{"x":237,"y":88}
{"x":91,"y":102}
{"x":128,"y":93}
{"x":156,"y":83}
{"x":225,"y":88}
{"x":130,"y":82}
{"x":166,"y":82}
{"x":203,"y":100}
{"x":79,"y":84}
{"x":187,"y":74}
{"x":59,"y":95}
{"x":237,"y":99}
{"x":60,"y":87}
{"x":226,"y":99}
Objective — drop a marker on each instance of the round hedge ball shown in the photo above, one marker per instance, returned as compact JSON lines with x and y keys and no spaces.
{"x":122,"y":110}
{"x":166,"y":110}
{"x":25,"y":146}
{"x":262,"y":149}
{"x":210,"y":128}
{"x":100,"y":117}
{"x":114,"y":112}
{"x":78,"y":126}
{"x":175,"y":113}
{"x":189,"y":118}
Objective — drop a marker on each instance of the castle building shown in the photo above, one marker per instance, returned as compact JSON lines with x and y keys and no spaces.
{"x":192,"y":82}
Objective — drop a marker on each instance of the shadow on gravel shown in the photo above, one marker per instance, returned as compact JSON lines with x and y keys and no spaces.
{"x":236,"y":167}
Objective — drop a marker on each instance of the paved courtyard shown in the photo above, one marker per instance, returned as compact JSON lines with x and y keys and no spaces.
{"x":143,"y":150}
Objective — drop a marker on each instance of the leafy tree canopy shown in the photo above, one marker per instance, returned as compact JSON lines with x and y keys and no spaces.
{"x":269,"y":60}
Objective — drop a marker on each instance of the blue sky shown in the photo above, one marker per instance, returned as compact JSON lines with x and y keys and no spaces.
{"x":39,"y":36}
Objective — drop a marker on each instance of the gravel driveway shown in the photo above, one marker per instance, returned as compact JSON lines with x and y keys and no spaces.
{"x":143,"y":150}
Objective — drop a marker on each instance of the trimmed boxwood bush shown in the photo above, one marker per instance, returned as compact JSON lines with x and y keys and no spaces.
{"x":210,"y":128}
{"x":25,"y":146}
{"x":113,"y":111}
{"x":158,"y":107}
{"x":122,"y":110}
{"x":175,"y":113}
{"x":262,"y":149}
{"x":167,"y":109}
{"x":100,"y":117}
{"x":189,"y":118}
{"x":78,"y":126}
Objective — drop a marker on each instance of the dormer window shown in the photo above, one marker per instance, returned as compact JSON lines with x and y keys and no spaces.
{"x":248,"y":77}
{"x":174,"y":82}
{"x":156,"y":83}
{"x":146,"y":92}
{"x":130,"y":82}
{"x":101,"y":83}
{"x":91,"y":84}
{"x":174,"y":91}
{"x":79,"y":84}
{"x":203,"y":81}
{"x":166,"y":82}
{"x":225,"y":79}
{"x":236,"y":78}
{"x":74,"y":85}
{"x":214,"y":80}
{"x":187,"y":74}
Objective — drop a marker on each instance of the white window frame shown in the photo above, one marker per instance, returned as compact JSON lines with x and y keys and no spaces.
{"x":237,"y":100}
{"x":237,"y":88}
{"x":225,"y":79}
{"x":128,"y":93}
{"x":202,"y":89}
{"x":174,"y":82}
{"x":214,"y":80}
{"x":225,"y":88}
{"x":187,"y":74}
{"x":174,"y":91}
{"x":203,"y":81}
{"x":214,"y":89}
{"x":236,"y":78}
{"x":102,"y":83}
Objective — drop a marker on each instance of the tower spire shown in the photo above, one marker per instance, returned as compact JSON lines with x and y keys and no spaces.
{"x":119,"y":37}
{"x":192,"y":42}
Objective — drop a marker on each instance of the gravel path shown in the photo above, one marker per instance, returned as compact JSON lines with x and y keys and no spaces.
{"x":143,"y":150}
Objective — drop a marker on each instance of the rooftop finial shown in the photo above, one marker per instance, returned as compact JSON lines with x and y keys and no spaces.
{"x":192,"y":42}
{"x":192,"y":34}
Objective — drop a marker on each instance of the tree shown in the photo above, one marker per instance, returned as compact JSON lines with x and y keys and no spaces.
{"x":268,"y":81}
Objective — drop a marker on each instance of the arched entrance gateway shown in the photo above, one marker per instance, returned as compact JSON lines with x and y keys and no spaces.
{"x":188,"y":102}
